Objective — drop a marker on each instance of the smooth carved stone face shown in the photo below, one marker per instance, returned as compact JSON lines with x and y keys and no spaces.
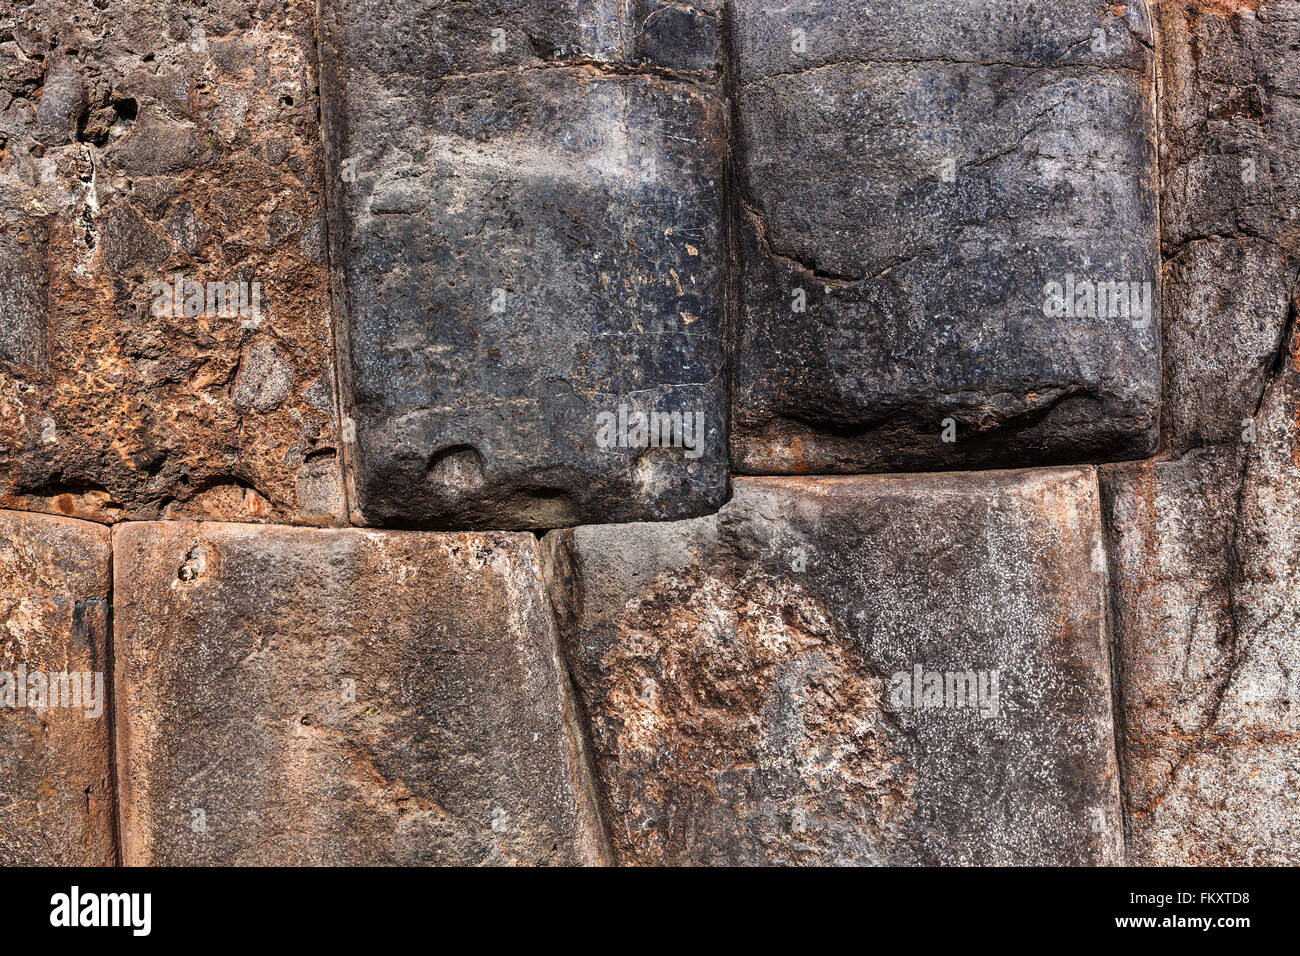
{"x":530,"y":268}
{"x":946,"y":230}
{"x":807,"y":678}
{"x":56,"y":800}
{"x":301,"y":696}
{"x":1206,"y":640}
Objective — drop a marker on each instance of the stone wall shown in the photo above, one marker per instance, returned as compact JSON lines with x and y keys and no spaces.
{"x":649,"y":432}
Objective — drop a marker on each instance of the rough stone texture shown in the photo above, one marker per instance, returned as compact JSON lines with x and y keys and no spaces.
{"x":1205,"y":546}
{"x":737,"y":671}
{"x":1205,"y":551}
{"x":56,"y":797}
{"x":525,"y":240}
{"x":140,"y":141}
{"x":423,"y":39}
{"x":235,"y":646}
{"x":1230,"y":155}
{"x":545,"y":210}
{"x":925,"y":297}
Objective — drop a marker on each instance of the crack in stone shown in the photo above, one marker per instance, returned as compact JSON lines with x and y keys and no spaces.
{"x":944,"y":61}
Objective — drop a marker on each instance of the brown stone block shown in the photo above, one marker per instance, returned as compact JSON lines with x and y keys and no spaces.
{"x":310,"y":696}
{"x":750,"y":679}
{"x":137,"y":146}
{"x":1205,"y":557}
{"x":56,"y":797}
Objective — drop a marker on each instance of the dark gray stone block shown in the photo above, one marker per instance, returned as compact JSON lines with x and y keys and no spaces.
{"x":526,"y":241}
{"x":1230,"y":148}
{"x":909,"y":183}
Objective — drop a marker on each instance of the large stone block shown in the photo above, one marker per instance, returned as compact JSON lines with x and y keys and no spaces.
{"x":139,"y":145}
{"x":1230,"y":151}
{"x":945,"y":211}
{"x":311,"y":696}
{"x":1205,"y":555}
{"x":528,"y":248}
{"x":1203,"y":546}
{"x":898,"y":670}
{"x":56,"y":786}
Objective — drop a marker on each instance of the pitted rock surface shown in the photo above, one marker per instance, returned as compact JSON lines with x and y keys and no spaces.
{"x":748,"y":678}
{"x":145,"y":145}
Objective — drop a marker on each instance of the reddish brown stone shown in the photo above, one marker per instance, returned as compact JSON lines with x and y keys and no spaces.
{"x":309,"y":696}
{"x":739,"y":673}
{"x":136,"y":145}
{"x":56,"y":798}
{"x":1205,"y":554}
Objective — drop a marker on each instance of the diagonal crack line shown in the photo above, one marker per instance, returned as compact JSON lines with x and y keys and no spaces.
{"x":1282,"y":348}
{"x":825,"y":275}
{"x":1233,"y":578}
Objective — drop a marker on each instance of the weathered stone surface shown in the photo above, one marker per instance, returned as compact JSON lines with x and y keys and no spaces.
{"x":56,"y":797}
{"x":1230,"y":152}
{"x":541,"y":212}
{"x":1205,"y":555}
{"x":908,"y":183}
{"x":525,"y":241}
{"x":1227,"y":304}
{"x":295,"y":696}
{"x":1204,"y":546}
{"x":738,"y":673}
{"x":138,"y":143}
{"x":415,"y":39}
